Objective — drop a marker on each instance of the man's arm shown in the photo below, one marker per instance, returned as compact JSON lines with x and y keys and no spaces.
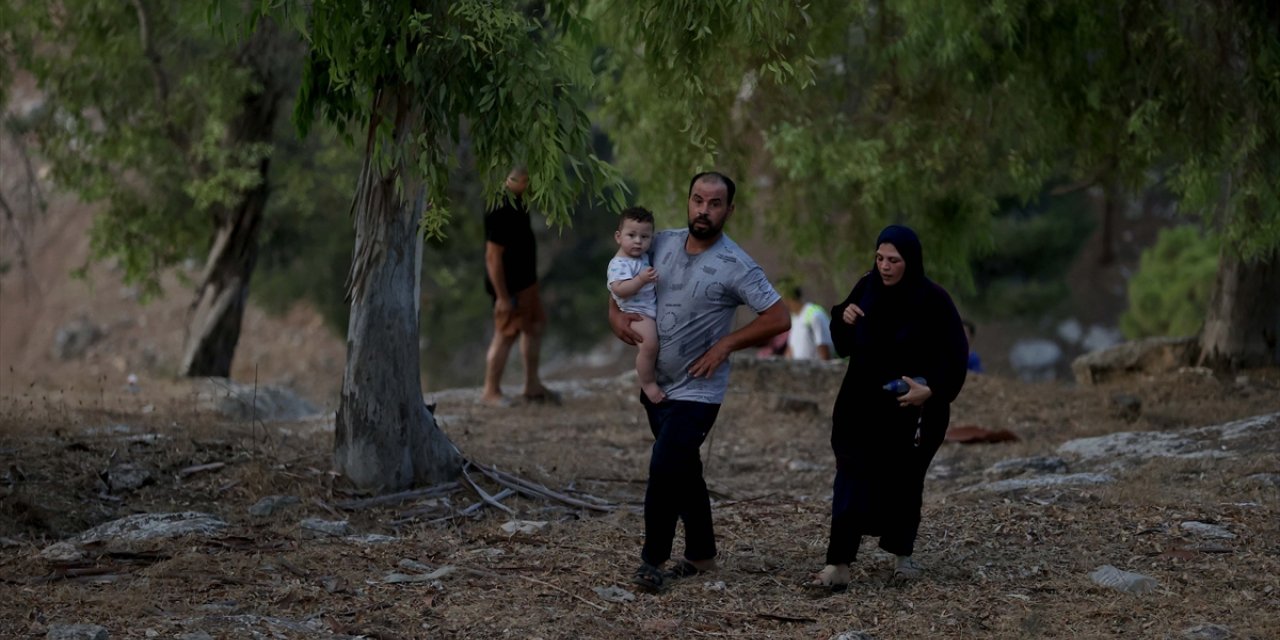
{"x":620,"y":323}
{"x":768,"y":324}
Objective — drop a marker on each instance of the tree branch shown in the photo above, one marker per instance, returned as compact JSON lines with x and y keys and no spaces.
{"x":157,"y":72}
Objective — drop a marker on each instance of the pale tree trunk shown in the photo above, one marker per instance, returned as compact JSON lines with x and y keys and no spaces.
{"x":213,"y":326}
{"x":1243,"y":325}
{"x":385,"y":438}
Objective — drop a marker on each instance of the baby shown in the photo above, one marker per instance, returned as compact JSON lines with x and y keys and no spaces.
{"x":631,"y":281}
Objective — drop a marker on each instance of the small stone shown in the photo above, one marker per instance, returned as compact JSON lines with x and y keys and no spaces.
{"x":1044,"y":481}
{"x":718,"y":585}
{"x":854,"y":635}
{"x":1207,"y":632}
{"x":77,"y":632}
{"x":1126,"y":581}
{"x":413,"y":565}
{"x":394,"y":577}
{"x":524,"y":526}
{"x":1206,"y":530}
{"x":1024,"y":466}
{"x":271,"y":504}
{"x":371,"y":538}
{"x":127,"y":477}
{"x":1264,"y":479}
{"x":61,"y":553}
{"x":317,"y":528}
{"x":614,"y":594}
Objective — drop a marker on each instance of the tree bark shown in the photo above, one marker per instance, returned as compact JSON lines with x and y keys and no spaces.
{"x":213,"y":327}
{"x":385,"y":437}
{"x":1242,"y":328}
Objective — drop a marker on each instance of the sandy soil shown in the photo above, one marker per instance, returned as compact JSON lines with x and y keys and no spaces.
{"x":998,"y":565}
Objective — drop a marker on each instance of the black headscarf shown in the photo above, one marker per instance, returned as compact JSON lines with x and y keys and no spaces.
{"x":889,"y":304}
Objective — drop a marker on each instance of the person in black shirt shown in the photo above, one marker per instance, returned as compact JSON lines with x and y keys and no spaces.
{"x":511,"y":279}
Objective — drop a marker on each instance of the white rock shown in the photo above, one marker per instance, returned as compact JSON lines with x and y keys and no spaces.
{"x":614,"y":594}
{"x":524,"y":526}
{"x":1040,"y":482}
{"x":1070,"y":331}
{"x":77,"y":632}
{"x":1126,"y":581}
{"x":149,"y":526}
{"x":1139,"y":444}
{"x":1206,"y":530}
{"x":317,"y":528}
{"x":1099,"y":337}
{"x":1207,"y":632}
{"x":61,"y":553}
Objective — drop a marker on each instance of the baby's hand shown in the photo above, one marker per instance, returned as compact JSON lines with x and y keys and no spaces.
{"x":649,"y":274}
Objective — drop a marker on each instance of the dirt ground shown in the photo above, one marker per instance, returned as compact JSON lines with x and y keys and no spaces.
{"x":997,"y":565}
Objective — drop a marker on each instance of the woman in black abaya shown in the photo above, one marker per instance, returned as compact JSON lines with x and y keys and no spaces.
{"x":896,"y":324}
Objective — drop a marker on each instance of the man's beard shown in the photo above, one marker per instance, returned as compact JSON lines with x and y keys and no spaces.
{"x":704,"y":233}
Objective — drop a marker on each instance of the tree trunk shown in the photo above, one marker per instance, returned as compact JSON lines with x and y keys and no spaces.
{"x":213,"y":326}
{"x":1243,"y":325}
{"x":385,"y":437}
{"x":1111,"y":204}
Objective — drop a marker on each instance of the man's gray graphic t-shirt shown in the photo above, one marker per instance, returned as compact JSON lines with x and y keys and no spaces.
{"x":697,"y":297}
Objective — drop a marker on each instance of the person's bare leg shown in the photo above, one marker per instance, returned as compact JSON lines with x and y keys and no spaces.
{"x":647,"y":359}
{"x":495,"y":362}
{"x":533,"y":322}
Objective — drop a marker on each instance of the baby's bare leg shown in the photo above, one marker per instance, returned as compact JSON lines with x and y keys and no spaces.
{"x":647,"y":359}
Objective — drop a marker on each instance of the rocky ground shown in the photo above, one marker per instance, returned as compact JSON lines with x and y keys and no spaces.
{"x":1174,"y":476}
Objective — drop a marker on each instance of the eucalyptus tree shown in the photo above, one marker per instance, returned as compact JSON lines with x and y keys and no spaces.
{"x":406,"y":77}
{"x":169,"y":126}
{"x":930,"y":112}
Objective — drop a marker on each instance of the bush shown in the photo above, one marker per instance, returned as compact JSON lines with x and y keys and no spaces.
{"x":1169,"y":294}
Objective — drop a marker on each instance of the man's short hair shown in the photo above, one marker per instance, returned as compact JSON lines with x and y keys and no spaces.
{"x":639,"y":214}
{"x":729,"y":186}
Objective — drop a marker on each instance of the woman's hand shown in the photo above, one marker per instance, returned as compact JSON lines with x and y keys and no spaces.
{"x":916,"y":393}
{"x":851,"y":314}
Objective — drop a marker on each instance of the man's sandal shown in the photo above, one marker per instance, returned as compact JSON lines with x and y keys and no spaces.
{"x":650,"y":578}
{"x":682,"y":569}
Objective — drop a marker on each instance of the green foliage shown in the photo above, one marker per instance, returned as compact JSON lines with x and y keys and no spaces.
{"x":931,"y":113}
{"x":676,"y":80}
{"x":486,"y":67}
{"x":307,"y":233}
{"x":1170,"y":291}
{"x":1032,"y":247}
{"x":139,"y":98}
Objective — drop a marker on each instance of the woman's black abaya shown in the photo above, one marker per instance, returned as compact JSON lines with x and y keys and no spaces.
{"x":909,"y":329}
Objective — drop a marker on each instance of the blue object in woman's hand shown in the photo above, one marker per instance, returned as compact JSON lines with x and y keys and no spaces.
{"x":900,"y":386}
